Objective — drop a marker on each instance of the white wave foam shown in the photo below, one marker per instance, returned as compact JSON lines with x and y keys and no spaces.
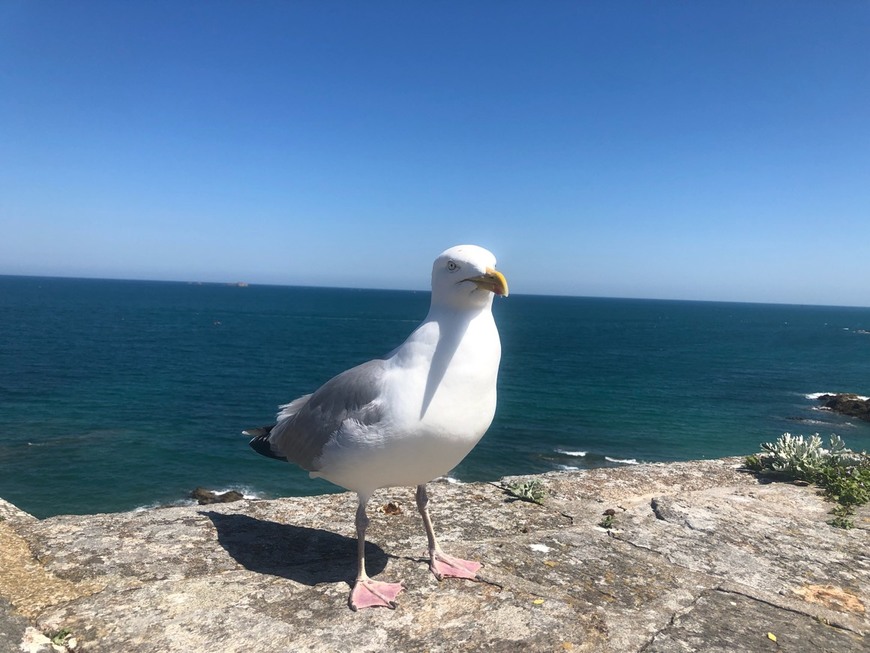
{"x":622,"y":461}
{"x":174,"y":504}
{"x":815,"y":396}
{"x":245,"y":490}
{"x":577,"y":454}
{"x":567,"y":468}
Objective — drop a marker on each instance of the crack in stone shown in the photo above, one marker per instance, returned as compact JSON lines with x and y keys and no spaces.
{"x":674,"y":616}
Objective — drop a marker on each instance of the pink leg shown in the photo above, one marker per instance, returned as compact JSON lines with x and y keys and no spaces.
{"x":368,"y":593}
{"x":441,"y":564}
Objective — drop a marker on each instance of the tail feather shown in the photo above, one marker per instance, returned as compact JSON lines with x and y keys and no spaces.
{"x":259,"y":431}
{"x":260,"y":442}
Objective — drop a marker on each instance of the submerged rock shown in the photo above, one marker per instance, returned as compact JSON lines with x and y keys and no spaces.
{"x":697,"y":556}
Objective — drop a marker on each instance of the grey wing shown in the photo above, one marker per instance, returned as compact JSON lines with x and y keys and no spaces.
{"x":302,"y":434}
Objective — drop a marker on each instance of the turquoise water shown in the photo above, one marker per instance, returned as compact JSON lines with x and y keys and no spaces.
{"x":120,"y":394}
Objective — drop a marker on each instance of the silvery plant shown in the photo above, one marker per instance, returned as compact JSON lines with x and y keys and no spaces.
{"x":804,"y":458}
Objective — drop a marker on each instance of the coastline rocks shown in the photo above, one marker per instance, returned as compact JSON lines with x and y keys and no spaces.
{"x":848,"y":404}
{"x":695,"y":556}
{"x":205,"y":497}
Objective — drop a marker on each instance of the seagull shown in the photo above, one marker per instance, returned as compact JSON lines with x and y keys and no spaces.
{"x":406,"y":418}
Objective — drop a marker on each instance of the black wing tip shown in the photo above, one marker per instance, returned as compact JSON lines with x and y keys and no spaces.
{"x":260,"y":442}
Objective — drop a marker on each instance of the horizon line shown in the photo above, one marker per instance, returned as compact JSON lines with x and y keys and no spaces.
{"x":243,"y":284}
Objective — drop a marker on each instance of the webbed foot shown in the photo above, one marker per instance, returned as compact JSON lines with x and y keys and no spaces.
{"x":368,"y":593}
{"x":447,"y":566}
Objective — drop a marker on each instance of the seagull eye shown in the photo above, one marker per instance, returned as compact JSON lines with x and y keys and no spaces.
{"x":452,"y":266}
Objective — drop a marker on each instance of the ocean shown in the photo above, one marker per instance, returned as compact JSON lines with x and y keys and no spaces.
{"x":117,"y":395}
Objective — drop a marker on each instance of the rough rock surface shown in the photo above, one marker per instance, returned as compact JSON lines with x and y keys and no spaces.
{"x":848,"y":404}
{"x":12,"y":627}
{"x":699,"y":557}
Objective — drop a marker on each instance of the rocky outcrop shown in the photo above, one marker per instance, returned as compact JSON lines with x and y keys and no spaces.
{"x":848,"y":404}
{"x":205,"y":497}
{"x":696,"y":556}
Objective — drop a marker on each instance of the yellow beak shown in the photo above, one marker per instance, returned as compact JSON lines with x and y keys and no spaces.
{"x":493,"y":281}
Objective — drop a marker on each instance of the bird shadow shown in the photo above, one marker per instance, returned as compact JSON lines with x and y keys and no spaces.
{"x":306,"y":555}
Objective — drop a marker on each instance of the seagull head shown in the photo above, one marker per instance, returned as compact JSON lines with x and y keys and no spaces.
{"x":465,"y":277}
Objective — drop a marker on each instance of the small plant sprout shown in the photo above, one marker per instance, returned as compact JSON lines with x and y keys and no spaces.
{"x":60,"y":637}
{"x":608,"y":520}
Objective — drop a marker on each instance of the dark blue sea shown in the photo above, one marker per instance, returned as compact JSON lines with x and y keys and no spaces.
{"x":122,"y":394}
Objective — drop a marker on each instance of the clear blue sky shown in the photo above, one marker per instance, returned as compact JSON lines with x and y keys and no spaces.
{"x":697,"y":150}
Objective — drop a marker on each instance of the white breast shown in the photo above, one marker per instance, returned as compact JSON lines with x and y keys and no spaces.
{"x":439,"y":398}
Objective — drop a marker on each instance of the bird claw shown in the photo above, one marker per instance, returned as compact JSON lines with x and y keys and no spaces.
{"x":368,"y":593}
{"x":447,"y":566}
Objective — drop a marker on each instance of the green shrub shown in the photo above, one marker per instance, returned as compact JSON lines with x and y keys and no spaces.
{"x":847,"y":485}
{"x":842,"y":474}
